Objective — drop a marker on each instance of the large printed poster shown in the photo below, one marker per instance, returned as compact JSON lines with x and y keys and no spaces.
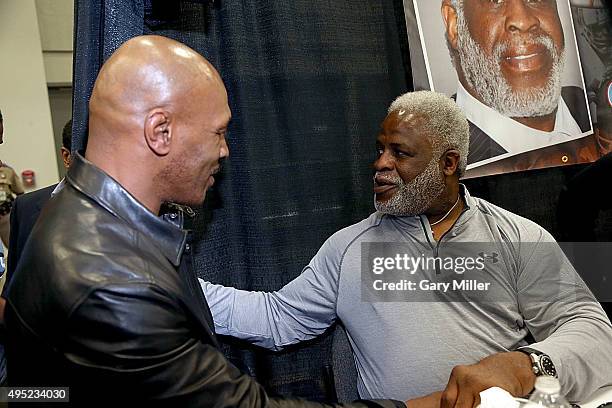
{"x":532,"y":76}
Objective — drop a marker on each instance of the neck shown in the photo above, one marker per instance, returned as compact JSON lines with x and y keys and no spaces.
{"x":137,"y":184}
{"x":443,"y":216}
{"x":544,"y":123}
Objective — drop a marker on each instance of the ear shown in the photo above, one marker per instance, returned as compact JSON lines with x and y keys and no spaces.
{"x":65,"y":156}
{"x":449,"y":14}
{"x":158,"y":131}
{"x":450,"y":162}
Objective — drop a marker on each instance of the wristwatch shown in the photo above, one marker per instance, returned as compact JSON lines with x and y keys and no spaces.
{"x":541,"y":364}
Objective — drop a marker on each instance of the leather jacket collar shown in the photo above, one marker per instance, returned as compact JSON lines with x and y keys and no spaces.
{"x":108,"y":193}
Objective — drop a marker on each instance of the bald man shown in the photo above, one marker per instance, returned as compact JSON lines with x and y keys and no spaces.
{"x":100,"y":301}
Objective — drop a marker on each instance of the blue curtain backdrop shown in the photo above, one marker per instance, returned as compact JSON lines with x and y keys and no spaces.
{"x":308,"y":84}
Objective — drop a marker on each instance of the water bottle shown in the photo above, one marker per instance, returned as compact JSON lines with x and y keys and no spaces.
{"x":547,"y":394}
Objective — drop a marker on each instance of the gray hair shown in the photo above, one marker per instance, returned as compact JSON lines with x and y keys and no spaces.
{"x":458,"y":6}
{"x":445,"y":122}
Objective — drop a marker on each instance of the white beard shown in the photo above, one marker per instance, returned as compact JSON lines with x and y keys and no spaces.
{"x":416,"y":196}
{"x":483,"y":73}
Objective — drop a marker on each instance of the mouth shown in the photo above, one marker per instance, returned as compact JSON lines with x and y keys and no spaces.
{"x":523,"y":57}
{"x":527,"y":58}
{"x":382,"y":185}
{"x":211,"y":178}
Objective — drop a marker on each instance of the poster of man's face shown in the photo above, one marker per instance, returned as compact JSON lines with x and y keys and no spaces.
{"x":513,"y":67}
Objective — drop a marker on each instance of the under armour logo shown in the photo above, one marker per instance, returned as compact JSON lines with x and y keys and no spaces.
{"x":492,"y":257}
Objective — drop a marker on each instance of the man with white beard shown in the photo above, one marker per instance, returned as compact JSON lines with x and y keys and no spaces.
{"x":408,"y":349}
{"x":509,"y":56}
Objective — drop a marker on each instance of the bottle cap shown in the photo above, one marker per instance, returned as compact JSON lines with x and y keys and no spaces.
{"x":548,"y":385}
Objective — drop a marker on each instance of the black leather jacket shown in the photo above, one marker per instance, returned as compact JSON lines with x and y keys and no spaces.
{"x":99,"y":303}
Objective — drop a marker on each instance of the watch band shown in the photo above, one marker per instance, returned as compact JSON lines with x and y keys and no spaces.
{"x":541,"y":363}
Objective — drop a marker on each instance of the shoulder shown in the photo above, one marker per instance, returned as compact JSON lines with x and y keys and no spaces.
{"x":512,"y":227}
{"x":33,"y":198}
{"x":90,"y":245}
{"x":337,"y":244}
{"x":348,"y":235}
{"x":333,"y":250}
{"x":78,"y":250}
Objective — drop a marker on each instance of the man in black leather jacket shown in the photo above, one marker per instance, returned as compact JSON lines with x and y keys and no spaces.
{"x":99,"y":302}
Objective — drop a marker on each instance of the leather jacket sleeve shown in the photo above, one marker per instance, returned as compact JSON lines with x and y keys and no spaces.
{"x":138,"y":340}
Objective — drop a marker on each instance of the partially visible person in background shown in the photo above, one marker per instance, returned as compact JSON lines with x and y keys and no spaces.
{"x":2,"y":263}
{"x":10,"y":187}
{"x":27,"y":208}
{"x":24,"y":214}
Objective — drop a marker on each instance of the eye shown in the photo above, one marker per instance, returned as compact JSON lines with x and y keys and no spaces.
{"x":401,"y":153}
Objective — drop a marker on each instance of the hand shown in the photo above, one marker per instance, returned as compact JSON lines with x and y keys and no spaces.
{"x":510,"y":371}
{"x":428,"y":401}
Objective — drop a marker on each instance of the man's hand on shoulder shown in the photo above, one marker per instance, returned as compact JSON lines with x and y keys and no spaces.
{"x":511,"y":371}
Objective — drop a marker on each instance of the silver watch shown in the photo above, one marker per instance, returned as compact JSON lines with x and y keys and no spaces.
{"x":541,"y":363}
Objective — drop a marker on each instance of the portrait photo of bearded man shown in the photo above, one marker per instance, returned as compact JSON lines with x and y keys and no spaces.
{"x":514,"y":69}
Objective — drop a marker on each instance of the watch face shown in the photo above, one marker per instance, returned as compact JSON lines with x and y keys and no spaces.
{"x":548,"y":367}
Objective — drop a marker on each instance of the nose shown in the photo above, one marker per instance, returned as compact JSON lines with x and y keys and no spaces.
{"x":520,"y":17}
{"x":384,"y":162}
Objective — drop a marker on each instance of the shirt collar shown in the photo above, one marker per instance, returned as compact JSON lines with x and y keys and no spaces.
{"x":513,"y":136}
{"x":59,"y":187}
{"x":108,"y":193}
{"x":470,"y":205}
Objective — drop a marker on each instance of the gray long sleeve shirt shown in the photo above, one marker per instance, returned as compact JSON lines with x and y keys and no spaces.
{"x":406,"y":349}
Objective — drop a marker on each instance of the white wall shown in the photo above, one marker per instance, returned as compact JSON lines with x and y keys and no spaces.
{"x":55,"y":20}
{"x":24,"y":101}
